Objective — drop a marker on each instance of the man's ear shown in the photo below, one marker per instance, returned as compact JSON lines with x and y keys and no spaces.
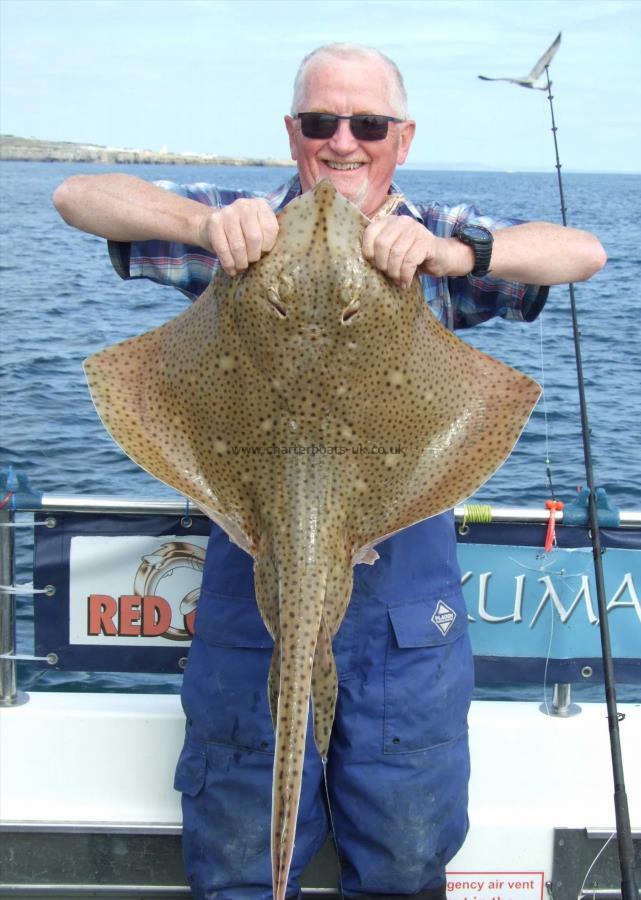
{"x":408,"y":130}
{"x":291,"y":132}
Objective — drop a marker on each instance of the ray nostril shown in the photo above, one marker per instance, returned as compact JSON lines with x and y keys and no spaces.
{"x":350,"y":311}
{"x":276,"y":303}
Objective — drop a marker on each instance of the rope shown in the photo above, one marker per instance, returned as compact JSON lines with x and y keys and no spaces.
{"x":475,"y":514}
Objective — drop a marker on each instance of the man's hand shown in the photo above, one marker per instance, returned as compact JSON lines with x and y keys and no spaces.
{"x":531,"y":253}
{"x":399,"y":246}
{"x":240,"y":233}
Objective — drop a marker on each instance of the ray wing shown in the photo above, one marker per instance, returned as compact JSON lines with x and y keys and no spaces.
{"x":171,"y":398}
{"x":433,"y":421}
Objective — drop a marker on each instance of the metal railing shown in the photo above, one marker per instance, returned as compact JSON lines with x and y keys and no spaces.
{"x":72,"y":503}
{"x":9,"y":694}
{"x":8,"y":685}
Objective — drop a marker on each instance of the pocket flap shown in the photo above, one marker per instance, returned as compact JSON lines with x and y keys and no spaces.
{"x":230,"y":622}
{"x":429,"y":623}
{"x":190,"y":771}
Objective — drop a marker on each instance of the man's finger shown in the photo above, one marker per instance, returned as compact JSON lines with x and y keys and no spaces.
{"x":397,"y":265}
{"x":235,"y":239}
{"x":268,"y":225}
{"x":217,"y":239}
{"x":411,"y":261}
{"x":252,"y":234}
{"x":384,"y":241}
{"x":369,"y":237}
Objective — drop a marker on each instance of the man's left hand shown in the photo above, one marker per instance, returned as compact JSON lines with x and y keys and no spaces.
{"x":399,"y":246}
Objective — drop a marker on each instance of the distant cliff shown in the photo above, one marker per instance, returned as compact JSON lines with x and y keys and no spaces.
{"x":34,"y":150}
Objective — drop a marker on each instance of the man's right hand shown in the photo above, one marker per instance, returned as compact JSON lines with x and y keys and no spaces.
{"x":239,"y":234}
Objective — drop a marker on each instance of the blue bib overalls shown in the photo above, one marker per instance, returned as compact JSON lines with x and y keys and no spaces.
{"x":398,"y":764}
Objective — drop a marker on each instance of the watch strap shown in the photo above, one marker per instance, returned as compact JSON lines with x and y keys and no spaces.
{"x":482,"y":248}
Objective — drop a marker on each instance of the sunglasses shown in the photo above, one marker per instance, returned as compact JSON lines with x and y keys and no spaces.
{"x":321,"y":126}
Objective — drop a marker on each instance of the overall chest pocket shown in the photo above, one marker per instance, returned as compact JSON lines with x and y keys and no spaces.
{"x":225,"y":684}
{"x":429,"y":673}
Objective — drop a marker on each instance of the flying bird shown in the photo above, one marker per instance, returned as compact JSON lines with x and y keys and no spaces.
{"x":535,"y":79}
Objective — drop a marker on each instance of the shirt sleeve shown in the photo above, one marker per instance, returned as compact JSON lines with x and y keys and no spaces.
{"x":461,"y":302}
{"x":188,"y":268}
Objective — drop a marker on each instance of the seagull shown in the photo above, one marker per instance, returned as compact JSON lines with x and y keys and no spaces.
{"x":535,"y":78}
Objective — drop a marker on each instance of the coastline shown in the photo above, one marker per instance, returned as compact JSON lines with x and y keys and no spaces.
{"x":19,"y":149}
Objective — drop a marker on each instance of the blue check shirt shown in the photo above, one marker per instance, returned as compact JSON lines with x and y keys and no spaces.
{"x":458,"y":302}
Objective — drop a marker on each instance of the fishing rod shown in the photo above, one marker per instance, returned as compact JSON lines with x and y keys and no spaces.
{"x":623,"y":829}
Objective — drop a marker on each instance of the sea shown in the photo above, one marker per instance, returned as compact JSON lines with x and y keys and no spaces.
{"x":60,"y":301}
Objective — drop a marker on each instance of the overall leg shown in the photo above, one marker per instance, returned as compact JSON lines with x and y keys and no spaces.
{"x":225,"y":770}
{"x":398,"y":768}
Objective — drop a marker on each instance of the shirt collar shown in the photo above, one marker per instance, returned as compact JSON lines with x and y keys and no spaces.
{"x":291,"y":189}
{"x":406,"y":208}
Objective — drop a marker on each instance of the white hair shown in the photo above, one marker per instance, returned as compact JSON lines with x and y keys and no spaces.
{"x":398,"y":95}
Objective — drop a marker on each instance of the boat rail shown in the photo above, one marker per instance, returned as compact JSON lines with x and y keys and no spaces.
{"x":49,"y":511}
{"x":138,"y":506}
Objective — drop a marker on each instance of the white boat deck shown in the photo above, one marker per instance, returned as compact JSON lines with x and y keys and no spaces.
{"x":108,"y":760}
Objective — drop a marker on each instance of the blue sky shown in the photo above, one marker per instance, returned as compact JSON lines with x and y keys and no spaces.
{"x":214,"y":76}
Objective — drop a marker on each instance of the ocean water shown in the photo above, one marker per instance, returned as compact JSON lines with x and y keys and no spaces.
{"x":61,"y":301}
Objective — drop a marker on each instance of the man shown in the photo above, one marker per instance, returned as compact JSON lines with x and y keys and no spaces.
{"x":397,"y":772}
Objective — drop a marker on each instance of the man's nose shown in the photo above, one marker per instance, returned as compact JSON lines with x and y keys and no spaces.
{"x":343,"y":141}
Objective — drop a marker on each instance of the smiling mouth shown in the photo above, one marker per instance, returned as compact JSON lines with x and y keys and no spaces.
{"x":342,"y":166}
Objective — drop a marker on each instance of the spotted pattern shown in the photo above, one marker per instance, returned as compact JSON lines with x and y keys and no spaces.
{"x":311,"y":408}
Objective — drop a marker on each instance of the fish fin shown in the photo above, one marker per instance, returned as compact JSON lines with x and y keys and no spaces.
{"x":366,"y":555}
{"x":273,"y":683}
{"x":324,"y":689}
{"x":466,"y":418}
{"x":266,"y":581}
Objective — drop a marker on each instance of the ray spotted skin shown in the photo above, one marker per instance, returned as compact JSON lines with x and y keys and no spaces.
{"x":311,"y":408}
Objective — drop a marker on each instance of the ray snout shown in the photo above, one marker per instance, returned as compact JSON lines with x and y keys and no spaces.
{"x":318,"y":221}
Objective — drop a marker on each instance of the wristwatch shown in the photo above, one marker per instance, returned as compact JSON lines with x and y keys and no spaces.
{"x":480,"y":240}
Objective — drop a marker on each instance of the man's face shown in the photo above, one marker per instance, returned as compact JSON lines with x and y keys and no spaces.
{"x":361,"y":170}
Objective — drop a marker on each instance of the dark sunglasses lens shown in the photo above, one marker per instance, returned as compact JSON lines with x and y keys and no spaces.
{"x":369,"y":128}
{"x":317,"y":125}
{"x":321,"y":126}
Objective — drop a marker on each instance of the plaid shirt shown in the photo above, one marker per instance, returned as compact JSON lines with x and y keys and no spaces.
{"x":458,"y":302}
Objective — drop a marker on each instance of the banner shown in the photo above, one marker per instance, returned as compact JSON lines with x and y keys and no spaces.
{"x":126,"y":590}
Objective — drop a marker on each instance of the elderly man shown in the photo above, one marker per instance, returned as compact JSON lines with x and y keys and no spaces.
{"x":395,"y":783}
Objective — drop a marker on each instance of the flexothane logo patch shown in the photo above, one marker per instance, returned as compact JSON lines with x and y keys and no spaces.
{"x":443,"y":617}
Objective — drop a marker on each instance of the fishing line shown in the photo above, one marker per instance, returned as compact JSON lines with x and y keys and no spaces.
{"x":547,"y":661}
{"x":333,"y":830}
{"x":622,"y":815}
{"x":548,"y":469}
{"x":592,"y":865}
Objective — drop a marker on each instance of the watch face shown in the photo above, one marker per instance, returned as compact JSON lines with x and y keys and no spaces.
{"x":477,"y":233}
